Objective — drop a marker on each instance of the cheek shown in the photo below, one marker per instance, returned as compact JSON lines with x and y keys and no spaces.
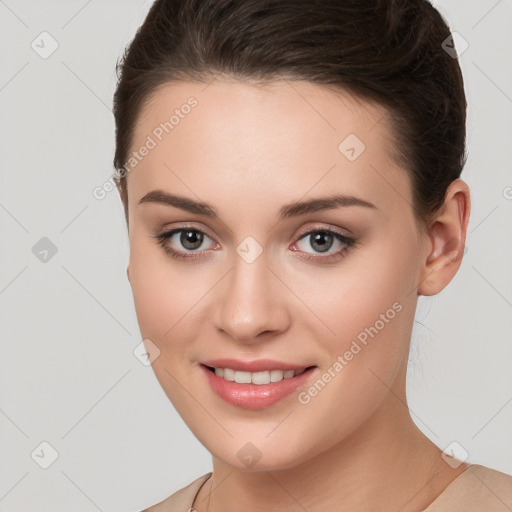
{"x":168,"y":295}
{"x":367,"y":311}
{"x":157,"y":287}
{"x":350,"y":298}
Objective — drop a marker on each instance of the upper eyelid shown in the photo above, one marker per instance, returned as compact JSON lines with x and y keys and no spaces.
{"x":173,"y":230}
{"x":302,"y":233}
{"x":329,"y":229}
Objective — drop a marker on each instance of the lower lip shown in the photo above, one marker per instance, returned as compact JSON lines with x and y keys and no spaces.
{"x":255,"y":396}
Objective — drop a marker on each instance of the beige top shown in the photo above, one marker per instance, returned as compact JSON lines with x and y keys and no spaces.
{"x":477,"y":489}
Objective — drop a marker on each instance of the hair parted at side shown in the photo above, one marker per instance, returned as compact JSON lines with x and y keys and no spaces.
{"x":386,"y":51}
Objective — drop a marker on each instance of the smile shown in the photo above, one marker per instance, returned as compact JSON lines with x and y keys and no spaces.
{"x":259,"y":378}
{"x":256,"y":389}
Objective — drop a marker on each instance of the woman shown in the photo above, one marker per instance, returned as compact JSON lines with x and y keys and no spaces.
{"x":290,"y":174}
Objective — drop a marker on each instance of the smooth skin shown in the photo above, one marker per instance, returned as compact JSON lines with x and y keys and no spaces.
{"x":247,"y":151}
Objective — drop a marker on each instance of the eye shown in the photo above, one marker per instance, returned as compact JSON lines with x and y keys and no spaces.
{"x":192,"y":243}
{"x":321,"y":241}
{"x":191,"y":240}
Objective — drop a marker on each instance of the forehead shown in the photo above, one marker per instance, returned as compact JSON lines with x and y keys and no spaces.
{"x":270,"y":139}
{"x":246,"y":110}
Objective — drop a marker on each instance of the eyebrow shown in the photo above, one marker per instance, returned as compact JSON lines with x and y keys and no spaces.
{"x":293,"y":209}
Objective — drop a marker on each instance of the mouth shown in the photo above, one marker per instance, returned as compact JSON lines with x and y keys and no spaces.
{"x":256,"y":389}
{"x":259,"y":378}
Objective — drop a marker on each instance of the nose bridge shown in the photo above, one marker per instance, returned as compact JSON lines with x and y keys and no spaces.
{"x":250,"y":303}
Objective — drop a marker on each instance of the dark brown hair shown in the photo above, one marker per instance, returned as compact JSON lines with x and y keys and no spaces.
{"x":387,"y":51}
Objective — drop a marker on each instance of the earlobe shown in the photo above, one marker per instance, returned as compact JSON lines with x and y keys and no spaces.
{"x":447,"y":236}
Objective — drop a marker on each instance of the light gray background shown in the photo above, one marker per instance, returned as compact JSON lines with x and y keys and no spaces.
{"x":68,"y":375}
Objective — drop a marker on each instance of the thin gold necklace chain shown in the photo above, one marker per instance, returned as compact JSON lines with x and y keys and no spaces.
{"x":209,"y":495}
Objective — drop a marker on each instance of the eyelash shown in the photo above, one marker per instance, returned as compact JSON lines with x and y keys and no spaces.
{"x":348,"y":242}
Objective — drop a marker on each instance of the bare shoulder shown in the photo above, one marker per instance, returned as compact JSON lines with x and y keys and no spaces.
{"x":496,"y":481}
{"x":476,"y":489}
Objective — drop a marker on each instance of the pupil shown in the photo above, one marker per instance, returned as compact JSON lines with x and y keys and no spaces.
{"x":191,"y":239}
{"x":319,"y":240}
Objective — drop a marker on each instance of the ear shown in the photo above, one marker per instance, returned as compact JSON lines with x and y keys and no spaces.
{"x":445,"y":239}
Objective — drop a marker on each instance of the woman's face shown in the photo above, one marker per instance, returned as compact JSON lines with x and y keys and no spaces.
{"x":251,"y":285}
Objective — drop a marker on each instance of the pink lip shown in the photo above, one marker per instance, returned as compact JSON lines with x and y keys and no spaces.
{"x":259,"y":365}
{"x":255,"y":396}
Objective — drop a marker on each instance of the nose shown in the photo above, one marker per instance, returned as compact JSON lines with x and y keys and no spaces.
{"x":252,"y":305}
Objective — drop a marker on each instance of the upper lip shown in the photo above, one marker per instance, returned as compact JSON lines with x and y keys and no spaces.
{"x":258,"y":365}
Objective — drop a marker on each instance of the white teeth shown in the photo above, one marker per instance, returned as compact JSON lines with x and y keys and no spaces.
{"x":265,"y":377}
{"x":276,"y":375}
{"x":260,"y":378}
{"x":229,"y":374}
{"x":243,"y":377}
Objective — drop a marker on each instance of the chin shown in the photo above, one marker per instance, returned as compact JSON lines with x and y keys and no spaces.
{"x":255,"y":457}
